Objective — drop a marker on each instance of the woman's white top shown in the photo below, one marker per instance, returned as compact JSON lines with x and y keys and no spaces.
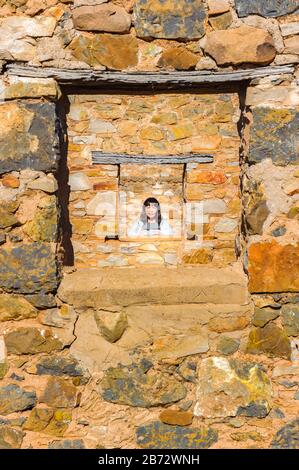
{"x":138,"y":229}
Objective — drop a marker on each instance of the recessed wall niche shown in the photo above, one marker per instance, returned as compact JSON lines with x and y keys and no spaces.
{"x":199,"y":202}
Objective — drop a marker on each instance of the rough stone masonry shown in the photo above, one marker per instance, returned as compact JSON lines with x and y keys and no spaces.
{"x":112,"y":342}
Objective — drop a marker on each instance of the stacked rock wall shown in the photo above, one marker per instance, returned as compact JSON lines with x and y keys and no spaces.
{"x":163,"y":124}
{"x":208,"y":354}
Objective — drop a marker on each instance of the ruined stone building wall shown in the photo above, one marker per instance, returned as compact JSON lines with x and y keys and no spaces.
{"x":204,"y":336}
{"x":166,"y":124}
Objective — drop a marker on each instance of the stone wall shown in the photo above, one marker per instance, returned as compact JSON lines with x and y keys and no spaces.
{"x":134,"y":356}
{"x":163,"y":124}
{"x":146,"y":35}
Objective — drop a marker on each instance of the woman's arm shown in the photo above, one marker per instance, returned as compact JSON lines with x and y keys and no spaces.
{"x":135,"y":229}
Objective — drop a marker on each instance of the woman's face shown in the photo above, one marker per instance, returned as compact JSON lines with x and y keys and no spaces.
{"x":151,"y":211}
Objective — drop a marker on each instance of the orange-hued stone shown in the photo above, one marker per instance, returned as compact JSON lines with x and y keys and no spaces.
{"x":200,"y":256}
{"x":206,"y":142}
{"x":193,"y":192}
{"x":106,"y":185}
{"x":273,"y":267}
{"x":10,"y":181}
{"x":206,"y":177}
{"x":176,"y":417}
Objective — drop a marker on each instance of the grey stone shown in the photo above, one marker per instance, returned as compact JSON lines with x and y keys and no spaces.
{"x":28,"y":269}
{"x":14,"y":398}
{"x":274,"y":134}
{"x":67,"y":444}
{"x":227,"y":345}
{"x":267,"y":8}
{"x":287,"y":437}
{"x":29,"y":138}
{"x":61,"y":366}
{"x":279,"y":231}
{"x":158,"y":435}
{"x":133,"y":386}
{"x":290,"y":319}
{"x":42,"y":300}
{"x":179,"y":19}
{"x":187,"y":370}
{"x":277,"y":413}
{"x":262,"y":316}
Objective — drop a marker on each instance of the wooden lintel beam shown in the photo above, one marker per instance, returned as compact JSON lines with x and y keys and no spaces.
{"x":94,"y":78}
{"x":122,"y":158}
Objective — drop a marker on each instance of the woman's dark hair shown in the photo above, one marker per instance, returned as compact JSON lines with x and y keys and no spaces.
{"x":143,"y":216}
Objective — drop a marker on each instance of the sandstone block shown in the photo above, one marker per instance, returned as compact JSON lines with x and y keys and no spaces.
{"x":48,"y":421}
{"x":173,"y":347}
{"x":253,"y":46}
{"x":176,"y":417}
{"x":291,"y":45}
{"x":60,"y":393}
{"x":273,"y":267}
{"x":23,"y":87}
{"x":216,"y":7}
{"x":116,"y":52}
{"x":15,"y":308}
{"x":30,"y":340}
{"x":206,"y":177}
{"x":44,"y":225}
{"x":10,"y":438}
{"x":79,"y":182}
{"x":178,"y":58}
{"x":107,"y":17}
{"x":290,"y":319}
{"x":111,"y":324}
{"x":270,"y":340}
{"x":10,"y":181}
{"x":199,"y":256}
{"x":222,"y":21}
{"x":46,"y":183}
{"x":98,"y":288}
{"x":226,"y":225}
{"x":22,"y":26}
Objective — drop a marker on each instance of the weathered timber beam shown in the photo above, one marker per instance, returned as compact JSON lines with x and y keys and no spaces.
{"x":179,"y":79}
{"x":118,"y":158}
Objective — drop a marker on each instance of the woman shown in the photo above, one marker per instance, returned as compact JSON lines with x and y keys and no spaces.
{"x":151,"y":222}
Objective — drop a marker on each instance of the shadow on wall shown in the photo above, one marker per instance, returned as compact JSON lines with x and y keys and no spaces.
{"x":62,"y":177}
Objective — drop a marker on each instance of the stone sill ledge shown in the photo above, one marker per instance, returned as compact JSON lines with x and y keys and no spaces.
{"x":97,"y":288}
